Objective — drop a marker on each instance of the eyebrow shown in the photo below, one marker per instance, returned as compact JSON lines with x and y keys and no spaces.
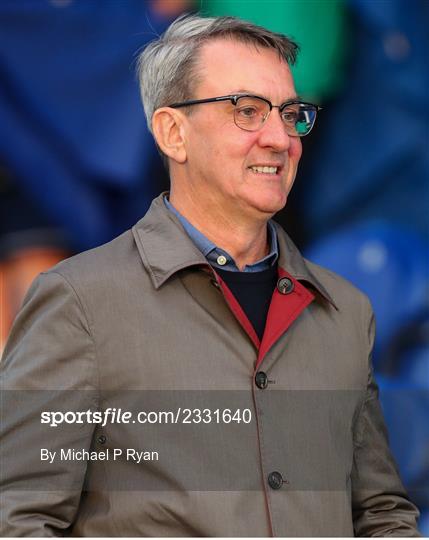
{"x":244,"y":91}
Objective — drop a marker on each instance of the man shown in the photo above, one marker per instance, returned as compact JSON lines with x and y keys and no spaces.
{"x":205,"y":311}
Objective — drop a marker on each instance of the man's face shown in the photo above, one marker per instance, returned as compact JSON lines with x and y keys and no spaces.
{"x":221,"y":157}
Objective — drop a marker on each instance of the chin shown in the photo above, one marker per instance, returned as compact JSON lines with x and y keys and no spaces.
{"x":270,"y":206}
{"x":273,"y":201}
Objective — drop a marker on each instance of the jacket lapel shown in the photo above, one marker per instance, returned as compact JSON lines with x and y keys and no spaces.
{"x":165,"y":249}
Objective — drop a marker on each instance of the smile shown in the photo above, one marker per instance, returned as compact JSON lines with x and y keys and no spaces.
{"x":264,"y":169}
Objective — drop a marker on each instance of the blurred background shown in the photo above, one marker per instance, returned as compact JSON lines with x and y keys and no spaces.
{"x":78,"y":166}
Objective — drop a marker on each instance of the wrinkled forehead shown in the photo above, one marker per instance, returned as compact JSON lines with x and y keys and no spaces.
{"x":226,"y":65}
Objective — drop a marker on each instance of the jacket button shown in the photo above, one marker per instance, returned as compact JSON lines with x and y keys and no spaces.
{"x":102,"y":439}
{"x":261,"y":380}
{"x":285,"y":285}
{"x":275,"y":480}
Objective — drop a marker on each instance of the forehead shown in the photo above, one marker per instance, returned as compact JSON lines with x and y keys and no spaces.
{"x":227,"y":66}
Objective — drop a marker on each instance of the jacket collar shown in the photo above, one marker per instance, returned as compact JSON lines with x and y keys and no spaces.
{"x":294,"y":263}
{"x":165,"y":248}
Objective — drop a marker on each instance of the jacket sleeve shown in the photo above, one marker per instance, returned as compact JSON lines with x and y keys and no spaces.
{"x":380,"y":504}
{"x":48,"y":365}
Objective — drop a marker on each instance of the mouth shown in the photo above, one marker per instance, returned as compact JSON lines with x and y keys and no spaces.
{"x":271,"y":170}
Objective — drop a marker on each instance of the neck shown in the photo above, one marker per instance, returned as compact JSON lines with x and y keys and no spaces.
{"x":246,"y":240}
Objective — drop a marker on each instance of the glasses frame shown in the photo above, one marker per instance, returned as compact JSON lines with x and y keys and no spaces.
{"x":234,"y":100}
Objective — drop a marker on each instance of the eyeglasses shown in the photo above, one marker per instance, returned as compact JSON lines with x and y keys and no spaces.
{"x":251,"y":112}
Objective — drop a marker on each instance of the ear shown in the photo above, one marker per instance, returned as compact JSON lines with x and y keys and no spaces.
{"x":167,"y":126}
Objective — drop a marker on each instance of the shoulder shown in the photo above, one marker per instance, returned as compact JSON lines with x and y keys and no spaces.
{"x":341,"y":290}
{"x":97,"y":277}
{"x":353,"y":306}
{"x":101,"y":266}
{"x":104,"y":257}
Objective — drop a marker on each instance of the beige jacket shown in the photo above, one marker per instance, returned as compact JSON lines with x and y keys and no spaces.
{"x":143,"y":324}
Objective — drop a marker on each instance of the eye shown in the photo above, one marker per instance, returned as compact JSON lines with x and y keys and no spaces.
{"x":290,"y":116}
{"x":247,"y":112}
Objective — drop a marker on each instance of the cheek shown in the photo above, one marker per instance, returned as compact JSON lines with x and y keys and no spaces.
{"x":295,"y":149}
{"x":237,"y":142}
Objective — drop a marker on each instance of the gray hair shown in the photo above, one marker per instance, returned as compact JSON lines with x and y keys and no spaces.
{"x":167,"y":67}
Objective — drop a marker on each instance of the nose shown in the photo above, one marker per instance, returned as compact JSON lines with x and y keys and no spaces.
{"x":273,"y":133}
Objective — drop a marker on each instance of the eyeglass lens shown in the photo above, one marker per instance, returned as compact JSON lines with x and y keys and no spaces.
{"x":251,"y":112}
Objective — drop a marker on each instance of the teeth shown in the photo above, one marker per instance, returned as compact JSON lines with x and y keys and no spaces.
{"x":270,"y":170}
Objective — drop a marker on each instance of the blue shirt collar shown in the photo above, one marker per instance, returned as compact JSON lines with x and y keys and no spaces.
{"x":214,"y":254}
